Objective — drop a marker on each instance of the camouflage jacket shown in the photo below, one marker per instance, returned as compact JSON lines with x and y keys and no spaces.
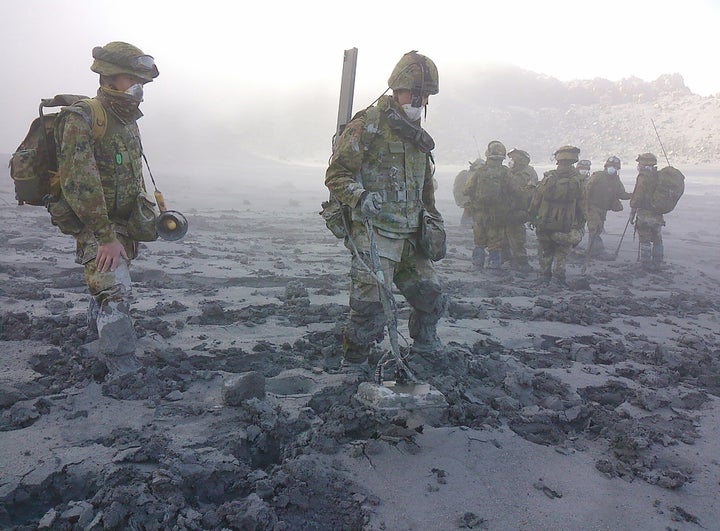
{"x":523,"y":181}
{"x":490,"y":192}
{"x":603,"y":191}
{"x":100,"y":179}
{"x":644,"y":187}
{"x":371,"y":155}
{"x":558,"y":204}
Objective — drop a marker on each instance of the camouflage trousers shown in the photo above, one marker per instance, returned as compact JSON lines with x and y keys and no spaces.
{"x":553,"y":249}
{"x":596,"y":220}
{"x":649,"y":227}
{"x":516,"y":241}
{"x":487,"y":234}
{"x":109,"y":285}
{"x":404,"y":267}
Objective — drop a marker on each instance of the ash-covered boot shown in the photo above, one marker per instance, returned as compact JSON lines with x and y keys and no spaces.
{"x":657,"y":255}
{"x":645,"y":255}
{"x":423,"y":330}
{"x":478,"y":257}
{"x":495,"y":259}
{"x":92,"y":314}
{"x":117,"y":337}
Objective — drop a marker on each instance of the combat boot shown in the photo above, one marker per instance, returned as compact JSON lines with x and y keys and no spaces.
{"x":478,"y":257}
{"x":522,"y":266}
{"x":117,"y":337}
{"x":494,"y":259}
{"x":353,"y":353}
{"x":657,"y":255}
{"x":558,"y":280}
{"x":92,"y":315}
{"x":423,"y":330}
{"x":543,"y":278}
{"x":645,"y":255}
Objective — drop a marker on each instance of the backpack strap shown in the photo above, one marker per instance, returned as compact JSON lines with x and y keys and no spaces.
{"x":98,"y":118}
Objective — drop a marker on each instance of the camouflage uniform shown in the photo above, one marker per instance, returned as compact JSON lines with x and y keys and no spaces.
{"x":488,"y":189}
{"x":372,"y":156}
{"x":559,"y":224}
{"x":459,"y":189}
{"x":100,"y":179}
{"x":648,"y":223}
{"x":523,"y":181}
{"x":603,"y":192}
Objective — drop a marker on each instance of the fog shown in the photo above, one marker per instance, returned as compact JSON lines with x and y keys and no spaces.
{"x":243,"y":88}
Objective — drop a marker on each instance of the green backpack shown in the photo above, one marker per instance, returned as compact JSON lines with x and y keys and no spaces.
{"x":563,"y":190}
{"x":668,"y":190}
{"x":34,"y":163}
{"x":557,"y":209}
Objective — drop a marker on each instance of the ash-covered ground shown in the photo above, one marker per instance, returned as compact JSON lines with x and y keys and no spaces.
{"x":591,"y":407}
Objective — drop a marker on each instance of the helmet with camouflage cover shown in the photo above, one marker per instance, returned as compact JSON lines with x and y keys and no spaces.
{"x":122,"y":58}
{"x":496,"y":150}
{"x":647,"y":159}
{"x":613,"y":161}
{"x":570,"y":153}
{"x":417,"y":73}
{"x":519,"y":155}
{"x":584,"y":164}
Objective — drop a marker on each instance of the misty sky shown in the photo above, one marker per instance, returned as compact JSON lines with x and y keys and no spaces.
{"x":214,"y":55}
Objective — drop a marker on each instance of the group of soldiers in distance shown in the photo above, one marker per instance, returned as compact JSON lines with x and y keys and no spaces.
{"x":500,"y":201}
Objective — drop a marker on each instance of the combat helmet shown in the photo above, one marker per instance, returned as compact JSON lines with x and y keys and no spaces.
{"x":519,"y":155}
{"x":496,"y":150}
{"x":613,"y":161}
{"x":584,"y":164}
{"x":647,"y":159}
{"x":570,"y":153}
{"x":417,"y":73}
{"x":122,"y":58}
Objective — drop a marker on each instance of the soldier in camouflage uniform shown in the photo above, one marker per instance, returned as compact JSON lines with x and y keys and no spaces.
{"x":382,"y":169}
{"x":648,"y":223}
{"x":100,"y":180}
{"x":488,"y":188}
{"x":523,"y":180}
{"x":584,"y":167}
{"x":459,"y":189}
{"x":603,"y":192}
{"x":557,"y":211}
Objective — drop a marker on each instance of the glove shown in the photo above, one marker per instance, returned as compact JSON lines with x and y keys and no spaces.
{"x":632,"y":217}
{"x":370,"y":204}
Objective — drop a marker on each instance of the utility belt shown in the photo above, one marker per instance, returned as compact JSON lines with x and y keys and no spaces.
{"x":400,"y":196}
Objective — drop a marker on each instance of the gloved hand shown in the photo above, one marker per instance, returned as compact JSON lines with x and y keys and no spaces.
{"x":632,"y":216}
{"x":370,"y":204}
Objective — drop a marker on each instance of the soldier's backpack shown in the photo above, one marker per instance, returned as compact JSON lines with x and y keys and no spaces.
{"x":668,"y":190}
{"x":34,"y":163}
{"x":557,"y":209}
{"x":562,"y":190}
{"x":490,"y":186}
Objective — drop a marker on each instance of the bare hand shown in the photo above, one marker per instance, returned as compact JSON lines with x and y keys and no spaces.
{"x":109,"y":256}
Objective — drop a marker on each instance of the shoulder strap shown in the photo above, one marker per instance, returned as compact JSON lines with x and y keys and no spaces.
{"x":98,"y":118}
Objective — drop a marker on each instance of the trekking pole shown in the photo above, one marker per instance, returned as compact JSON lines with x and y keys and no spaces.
{"x":617,"y":251}
{"x":661,"y":144}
